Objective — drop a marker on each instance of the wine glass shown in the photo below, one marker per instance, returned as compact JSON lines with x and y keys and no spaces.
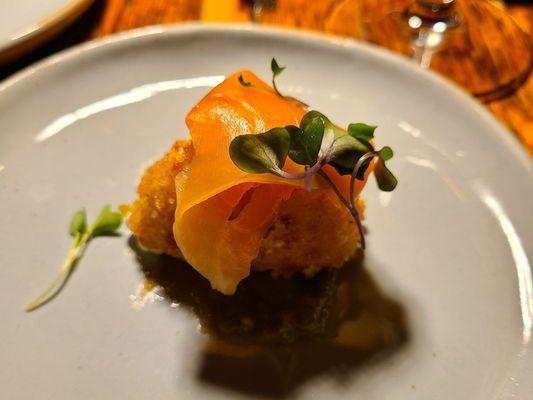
{"x":258,"y":7}
{"x":302,"y":14}
{"x":473,"y":42}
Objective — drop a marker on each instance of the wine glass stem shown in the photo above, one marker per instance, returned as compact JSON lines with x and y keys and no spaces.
{"x":430,"y":20}
{"x":257,"y":7}
{"x":433,"y":11}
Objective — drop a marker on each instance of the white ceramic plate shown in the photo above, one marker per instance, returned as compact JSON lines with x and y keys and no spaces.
{"x":25,"y":24}
{"x":452,"y":245}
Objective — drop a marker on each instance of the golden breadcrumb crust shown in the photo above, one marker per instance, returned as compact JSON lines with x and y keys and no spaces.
{"x":312,"y":231}
{"x":152,"y":214}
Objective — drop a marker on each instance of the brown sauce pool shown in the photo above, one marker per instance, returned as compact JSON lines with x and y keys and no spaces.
{"x":275,"y":334}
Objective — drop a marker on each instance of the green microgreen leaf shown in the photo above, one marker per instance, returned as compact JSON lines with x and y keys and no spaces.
{"x":384,"y":177}
{"x":107,"y":222}
{"x":361,"y":131}
{"x":310,"y":116}
{"x":276,"y":68}
{"x":385,"y":153}
{"x":306,"y":142}
{"x":262,"y":153}
{"x":78,"y":223}
{"x":341,"y":141}
{"x":346,"y":150}
{"x":342,"y":150}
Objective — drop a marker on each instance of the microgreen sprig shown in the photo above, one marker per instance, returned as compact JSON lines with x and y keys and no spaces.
{"x":316,"y":142}
{"x":276,"y":70}
{"x":107,"y":223}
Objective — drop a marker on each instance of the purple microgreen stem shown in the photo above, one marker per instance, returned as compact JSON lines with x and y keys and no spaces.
{"x":309,"y":171}
{"x":335,"y":189}
{"x":351,"y":208}
{"x":358,"y":165}
{"x":308,"y":177}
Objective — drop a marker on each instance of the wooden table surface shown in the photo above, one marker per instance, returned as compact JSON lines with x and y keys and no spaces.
{"x":108,"y":16}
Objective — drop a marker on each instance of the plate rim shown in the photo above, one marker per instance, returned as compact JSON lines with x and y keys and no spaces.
{"x":24,"y":40}
{"x":187,"y":28}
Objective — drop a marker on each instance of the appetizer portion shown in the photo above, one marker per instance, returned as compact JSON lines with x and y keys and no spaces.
{"x":263,"y":184}
{"x":298,"y":238}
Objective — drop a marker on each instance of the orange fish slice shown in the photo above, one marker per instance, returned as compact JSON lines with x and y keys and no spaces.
{"x":223,"y":213}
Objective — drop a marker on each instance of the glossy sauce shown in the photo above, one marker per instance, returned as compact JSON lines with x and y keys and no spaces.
{"x":274,"y":334}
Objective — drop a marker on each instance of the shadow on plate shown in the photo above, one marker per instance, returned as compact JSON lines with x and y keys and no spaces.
{"x":275,"y":334}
